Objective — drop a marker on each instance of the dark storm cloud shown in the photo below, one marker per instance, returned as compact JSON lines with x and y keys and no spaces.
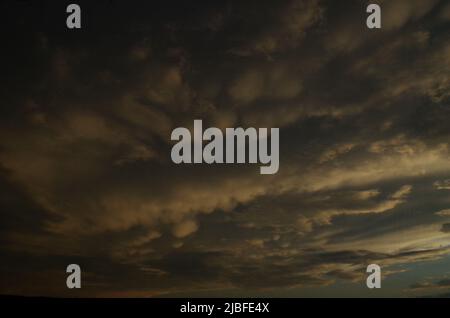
{"x":19,"y":212}
{"x":445,"y":227}
{"x":434,"y":288}
{"x":85,"y":144}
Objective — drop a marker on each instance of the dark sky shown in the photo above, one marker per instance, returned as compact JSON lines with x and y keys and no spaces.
{"x":86,"y":175}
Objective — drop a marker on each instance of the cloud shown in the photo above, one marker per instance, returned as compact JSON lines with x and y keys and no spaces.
{"x":85,"y":143}
{"x":445,"y":227}
{"x":185,"y":228}
{"x":445,"y":212}
{"x":278,"y":83}
{"x":398,"y":197}
{"x":443,"y":283}
{"x":442,"y":185}
{"x":286,"y":31}
{"x":399,"y":12}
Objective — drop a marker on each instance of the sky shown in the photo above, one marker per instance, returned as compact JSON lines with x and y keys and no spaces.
{"x":86,"y":175}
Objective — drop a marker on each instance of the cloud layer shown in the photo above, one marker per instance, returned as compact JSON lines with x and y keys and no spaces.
{"x":364,"y":158}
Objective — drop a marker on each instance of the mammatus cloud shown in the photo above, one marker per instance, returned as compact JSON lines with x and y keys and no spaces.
{"x":364,"y":154}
